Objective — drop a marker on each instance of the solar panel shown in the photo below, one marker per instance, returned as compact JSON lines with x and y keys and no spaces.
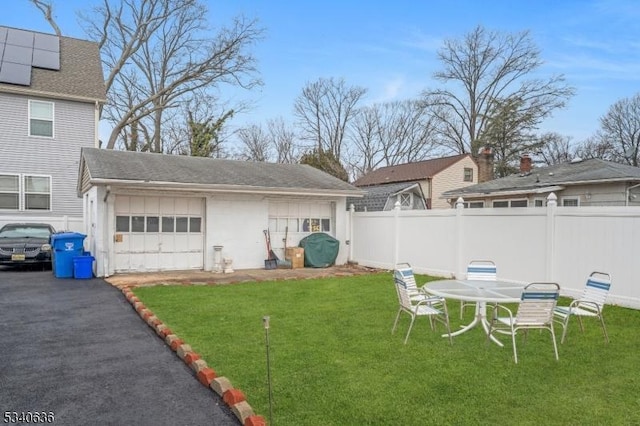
{"x":20,"y":37}
{"x":17,"y":54}
{"x":46,"y":59}
{"x":46,"y":42}
{"x":22,"y":49}
{"x":15,"y":74}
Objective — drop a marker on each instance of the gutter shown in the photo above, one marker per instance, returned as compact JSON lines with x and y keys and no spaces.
{"x":240,"y":189}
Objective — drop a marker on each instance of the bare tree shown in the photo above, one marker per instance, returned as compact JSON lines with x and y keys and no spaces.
{"x":324,"y":108}
{"x":489,"y":66}
{"x":255,"y":143}
{"x":284,"y":140}
{"x":620,"y":131}
{"x":555,"y":149}
{"x":391,"y":133}
{"x":157,"y":53}
{"x":46,"y":7}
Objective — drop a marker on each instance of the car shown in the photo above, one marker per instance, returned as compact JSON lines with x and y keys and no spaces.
{"x":26,"y":244}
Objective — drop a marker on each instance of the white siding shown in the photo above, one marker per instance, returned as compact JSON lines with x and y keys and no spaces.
{"x":451,"y":178}
{"x":58,"y":157}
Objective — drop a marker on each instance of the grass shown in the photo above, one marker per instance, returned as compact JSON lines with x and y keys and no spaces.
{"x":334,"y":360}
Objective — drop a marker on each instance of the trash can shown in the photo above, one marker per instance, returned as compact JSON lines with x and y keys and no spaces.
{"x":66,"y":246}
{"x":83,"y":266}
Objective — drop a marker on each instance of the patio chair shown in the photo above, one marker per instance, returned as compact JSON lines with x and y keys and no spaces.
{"x":590,"y":304}
{"x":404,"y":272}
{"x":535,"y":311}
{"x":478,"y":270}
{"x":433,"y":307}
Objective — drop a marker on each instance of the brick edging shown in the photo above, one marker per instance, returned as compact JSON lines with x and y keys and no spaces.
{"x":232,"y":397}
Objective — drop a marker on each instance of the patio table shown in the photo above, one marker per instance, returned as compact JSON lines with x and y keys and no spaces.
{"x":480,"y":292}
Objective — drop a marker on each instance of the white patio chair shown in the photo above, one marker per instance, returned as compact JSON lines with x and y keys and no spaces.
{"x":431,"y":306}
{"x":404,"y":272}
{"x":535,"y":310}
{"x":479,"y":270}
{"x":590,"y":304}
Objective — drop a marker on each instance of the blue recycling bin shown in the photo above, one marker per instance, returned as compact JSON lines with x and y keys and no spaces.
{"x":83,"y":266}
{"x":66,"y":246}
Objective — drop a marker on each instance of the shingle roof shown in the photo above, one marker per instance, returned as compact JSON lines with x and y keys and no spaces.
{"x":578,"y":172}
{"x":377,"y":195}
{"x":80,"y":76}
{"x":419,"y":170}
{"x":139,"y":168}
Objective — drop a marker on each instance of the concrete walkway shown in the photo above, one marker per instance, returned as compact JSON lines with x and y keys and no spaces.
{"x":76,"y":348}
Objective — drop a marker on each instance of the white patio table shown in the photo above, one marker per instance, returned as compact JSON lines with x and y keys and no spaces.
{"x":481,"y":292}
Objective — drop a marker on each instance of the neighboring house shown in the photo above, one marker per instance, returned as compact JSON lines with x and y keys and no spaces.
{"x":591,"y":182}
{"x":433,"y":177}
{"x":384,"y":197}
{"x":51,"y":92}
{"x":151,"y":212}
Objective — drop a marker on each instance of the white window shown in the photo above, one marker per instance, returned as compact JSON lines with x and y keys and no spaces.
{"x":37,"y":192}
{"x":25,"y":192}
{"x":41,"y":119}
{"x":539,"y":202}
{"x":570,"y":202}
{"x":468,"y":174}
{"x":9,"y":192}
{"x":510,"y":203}
{"x":155,"y":224}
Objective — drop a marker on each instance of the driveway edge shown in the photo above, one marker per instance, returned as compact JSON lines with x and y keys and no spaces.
{"x":234,"y":398}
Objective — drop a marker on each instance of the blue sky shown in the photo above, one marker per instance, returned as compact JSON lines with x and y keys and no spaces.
{"x":390,"y":47}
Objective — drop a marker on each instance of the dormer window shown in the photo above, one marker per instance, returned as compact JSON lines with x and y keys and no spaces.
{"x":406,"y":200}
{"x":41,"y":119}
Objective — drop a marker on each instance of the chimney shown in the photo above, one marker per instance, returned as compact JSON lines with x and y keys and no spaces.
{"x":525,"y":164}
{"x":485,"y":164}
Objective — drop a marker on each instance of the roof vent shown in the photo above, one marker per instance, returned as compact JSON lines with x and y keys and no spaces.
{"x":576,"y":160}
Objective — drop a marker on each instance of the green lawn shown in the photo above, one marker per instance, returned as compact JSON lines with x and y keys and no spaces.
{"x":334,"y":360}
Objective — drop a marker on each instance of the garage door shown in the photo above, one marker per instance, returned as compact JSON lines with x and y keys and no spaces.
{"x":297,"y":219}
{"x":158,"y":233}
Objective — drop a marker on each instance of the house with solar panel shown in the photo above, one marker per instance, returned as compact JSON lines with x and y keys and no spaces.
{"x":51,"y":93}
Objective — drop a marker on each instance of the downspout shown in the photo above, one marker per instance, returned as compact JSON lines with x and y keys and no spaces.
{"x":627,"y":193}
{"x":96,"y":129}
{"x":105,"y":233}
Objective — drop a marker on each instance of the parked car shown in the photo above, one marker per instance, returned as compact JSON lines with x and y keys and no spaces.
{"x":26,"y":243}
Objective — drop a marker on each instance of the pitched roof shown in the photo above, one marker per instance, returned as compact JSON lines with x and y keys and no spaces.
{"x":377,"y":195}
{"x":147,"y":170}
{"x":419,"y":170}
{"x":546,"y":179}
{"x":79,"y":78}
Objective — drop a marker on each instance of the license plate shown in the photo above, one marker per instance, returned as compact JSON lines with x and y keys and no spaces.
{"x":17,"y":257}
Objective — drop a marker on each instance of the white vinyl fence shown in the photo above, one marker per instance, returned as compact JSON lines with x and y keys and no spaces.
{"x":560,"y":244}
{"x":60,"y":223}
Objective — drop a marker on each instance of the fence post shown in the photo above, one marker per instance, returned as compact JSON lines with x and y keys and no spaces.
{"x":396,"y":233}
{"x":459,"y":267}
{"x":552,"y":205}
{"x":352,"y":210}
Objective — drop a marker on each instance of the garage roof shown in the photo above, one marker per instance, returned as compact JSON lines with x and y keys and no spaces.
{"x":148,"y":170}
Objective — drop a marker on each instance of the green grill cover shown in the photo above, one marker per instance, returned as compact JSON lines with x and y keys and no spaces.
{"x":320,"y":250}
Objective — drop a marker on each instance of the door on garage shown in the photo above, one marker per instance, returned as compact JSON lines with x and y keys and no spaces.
{"x":158,"y":233}
{"x":302,"y":218}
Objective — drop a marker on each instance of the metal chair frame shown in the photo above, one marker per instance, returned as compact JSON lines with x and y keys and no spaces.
{"x":433,"y":307}
{"x":535,"y":311}
{"x":590,"y":304}
{"x":481,"y":270}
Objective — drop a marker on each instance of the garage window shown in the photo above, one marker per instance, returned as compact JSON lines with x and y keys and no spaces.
{"x":154,"y":224}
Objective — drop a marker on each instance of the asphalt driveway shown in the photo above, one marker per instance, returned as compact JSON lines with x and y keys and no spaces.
{"x":76,"y":348}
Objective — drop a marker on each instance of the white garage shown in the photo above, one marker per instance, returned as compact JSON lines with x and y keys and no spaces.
{"x":155,"y":212}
